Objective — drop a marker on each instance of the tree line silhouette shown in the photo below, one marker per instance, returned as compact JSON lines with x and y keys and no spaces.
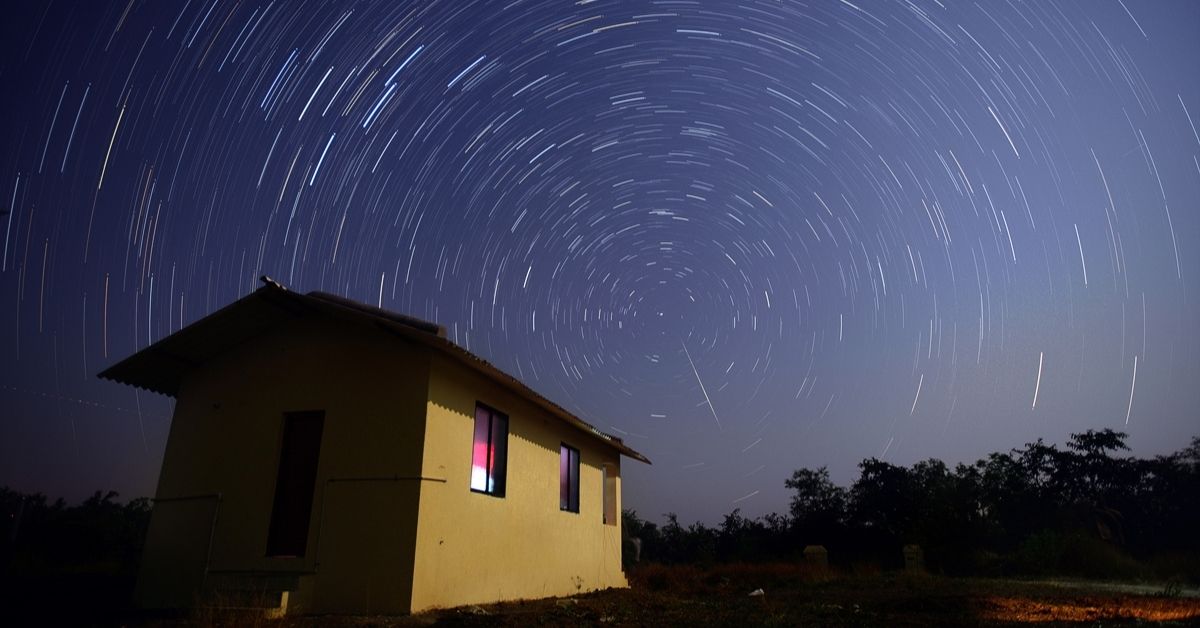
{"x":86,"y":553}
{"x":1086,"y":509}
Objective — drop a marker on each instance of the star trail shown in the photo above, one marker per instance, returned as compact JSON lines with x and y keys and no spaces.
{"x":746,"y":237}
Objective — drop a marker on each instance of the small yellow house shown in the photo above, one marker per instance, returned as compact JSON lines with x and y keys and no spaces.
{"x":327,"y":456}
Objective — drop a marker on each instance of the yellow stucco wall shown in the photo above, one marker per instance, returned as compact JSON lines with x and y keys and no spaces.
{"x":225,"y":438}
{"x":474,"y":548}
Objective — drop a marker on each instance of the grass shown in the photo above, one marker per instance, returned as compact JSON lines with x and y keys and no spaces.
{"x":794,"y":595}
{"x":693,"y":580}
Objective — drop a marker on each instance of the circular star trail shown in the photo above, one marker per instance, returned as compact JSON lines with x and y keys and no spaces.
{"x":747,"y":237}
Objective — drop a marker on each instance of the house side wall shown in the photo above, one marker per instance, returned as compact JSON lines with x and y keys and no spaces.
{"x":475,"y":548}
{"x":225,"y":440}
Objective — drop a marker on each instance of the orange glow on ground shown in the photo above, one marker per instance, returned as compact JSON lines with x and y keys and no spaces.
{"x":1089,"y":609}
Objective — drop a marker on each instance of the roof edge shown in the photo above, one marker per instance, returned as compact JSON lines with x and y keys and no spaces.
{"x":425,"y":332}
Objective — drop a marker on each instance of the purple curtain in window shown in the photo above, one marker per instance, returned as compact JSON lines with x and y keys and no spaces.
{"x":568,"y":478}
{"x":480,"y":451}
{"x":564,"y":478}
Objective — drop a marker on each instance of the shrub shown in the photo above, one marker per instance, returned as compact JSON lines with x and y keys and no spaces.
{"x":1050,"y":553}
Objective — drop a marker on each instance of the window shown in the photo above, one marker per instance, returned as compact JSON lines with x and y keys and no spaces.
{"x":287,"y":535}
{"x":489,"y":451}
{"x":568,"y":478}
{"x":609,"y":492}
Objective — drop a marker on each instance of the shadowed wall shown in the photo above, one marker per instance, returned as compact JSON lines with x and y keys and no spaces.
{"x":225,"y":439}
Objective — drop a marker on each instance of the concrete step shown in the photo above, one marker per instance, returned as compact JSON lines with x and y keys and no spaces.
{"x":250,"y":591}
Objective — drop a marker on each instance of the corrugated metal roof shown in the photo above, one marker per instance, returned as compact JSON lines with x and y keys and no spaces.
{"x":162,"y":366}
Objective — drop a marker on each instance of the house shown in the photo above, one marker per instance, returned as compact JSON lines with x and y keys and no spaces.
{"x":332,"y":457}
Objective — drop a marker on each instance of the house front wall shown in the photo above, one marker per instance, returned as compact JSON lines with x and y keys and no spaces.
{"x":215,"y":494}
{"x":474,"y":547}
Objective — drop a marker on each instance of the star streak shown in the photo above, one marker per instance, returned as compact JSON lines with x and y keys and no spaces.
{"x":815,"y":202}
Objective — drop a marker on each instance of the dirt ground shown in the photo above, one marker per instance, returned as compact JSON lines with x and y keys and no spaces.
{"x":792,"y":595}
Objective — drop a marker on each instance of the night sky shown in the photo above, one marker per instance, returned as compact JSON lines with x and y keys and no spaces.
{"x":746,"y":237}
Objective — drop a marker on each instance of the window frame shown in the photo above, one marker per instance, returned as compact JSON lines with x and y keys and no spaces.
{"x":569,"y":455}
{"x":609,"y":473}
{"x":499,"y":481}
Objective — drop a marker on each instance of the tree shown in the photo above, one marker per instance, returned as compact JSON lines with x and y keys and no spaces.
{"x":818,"y":507}
{"x":882,"y":498}
{"x":1020,"y":491}
{"x":1090,"y":471}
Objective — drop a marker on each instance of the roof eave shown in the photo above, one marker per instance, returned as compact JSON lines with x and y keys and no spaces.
{"x":147,"y":368}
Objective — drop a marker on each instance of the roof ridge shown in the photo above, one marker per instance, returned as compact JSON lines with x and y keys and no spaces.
{"x":420,"y":324}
